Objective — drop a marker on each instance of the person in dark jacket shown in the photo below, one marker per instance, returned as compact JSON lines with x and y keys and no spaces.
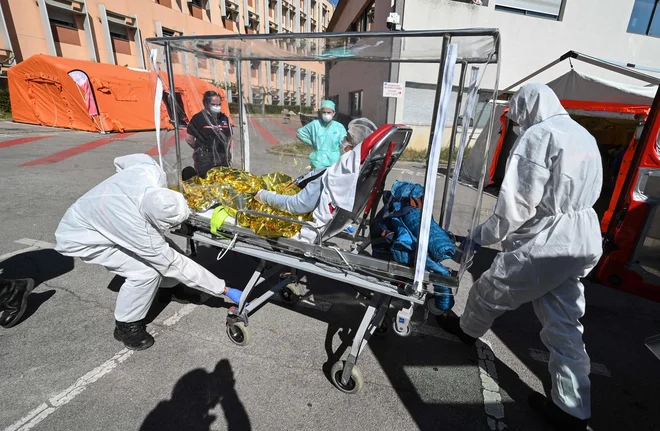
{"x":209,"y":135}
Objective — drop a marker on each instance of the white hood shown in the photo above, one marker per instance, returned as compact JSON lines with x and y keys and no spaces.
{"x":533,"y":104}
{"x":164,"y":208}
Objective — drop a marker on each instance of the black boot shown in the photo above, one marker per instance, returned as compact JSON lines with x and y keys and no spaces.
{"x":13,"y":300}
{"x":451,"y":323}
{"x":134,"y":335}
{"x":553,"y":415}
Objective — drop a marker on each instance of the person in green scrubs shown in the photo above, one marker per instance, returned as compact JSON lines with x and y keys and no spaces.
{"x":324,"y":135}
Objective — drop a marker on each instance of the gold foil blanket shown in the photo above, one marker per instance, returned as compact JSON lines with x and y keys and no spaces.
{"x":235,"y":190}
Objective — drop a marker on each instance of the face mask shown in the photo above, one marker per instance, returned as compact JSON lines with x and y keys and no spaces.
{"x":516,"y":130}
{"x":216,"y":109}
{"x":326,"y":117}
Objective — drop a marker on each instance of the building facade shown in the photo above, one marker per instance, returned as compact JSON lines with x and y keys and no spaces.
{"x":113,"y":31}
{"x":533,"y":34}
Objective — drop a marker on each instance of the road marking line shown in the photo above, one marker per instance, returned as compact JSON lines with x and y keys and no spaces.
{"x":34,"y":417}
{"x":184,"y":311}
{"x":272,"y":140}
{"x":34,"y":243}
{"x":74,"y":151}
{"x":279,"y":123}
{"x":20,"y":141}
{"x":490,"y":387}
{"x":543,"y":356}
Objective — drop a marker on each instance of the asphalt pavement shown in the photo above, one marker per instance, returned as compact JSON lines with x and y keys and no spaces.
{"x":63,"y":370}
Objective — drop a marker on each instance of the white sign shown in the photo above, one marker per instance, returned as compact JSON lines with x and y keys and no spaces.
{"x":392,"y":89}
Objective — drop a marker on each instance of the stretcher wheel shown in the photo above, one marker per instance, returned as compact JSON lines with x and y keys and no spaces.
{"x":355,"y":382}
{"x":382,"y":328}
{"x":290,"y":294}
{"x":239,"y":334}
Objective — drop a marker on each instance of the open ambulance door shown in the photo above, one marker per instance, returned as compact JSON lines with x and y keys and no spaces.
{"x":631,"y":243}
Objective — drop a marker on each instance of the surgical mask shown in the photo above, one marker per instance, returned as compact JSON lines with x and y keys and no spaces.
{"x":326,"y":118}
{"x":516,"y":130}
{"x":216,"y":109}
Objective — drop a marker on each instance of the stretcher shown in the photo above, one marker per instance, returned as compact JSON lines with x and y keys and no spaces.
{"x":337,"y":254}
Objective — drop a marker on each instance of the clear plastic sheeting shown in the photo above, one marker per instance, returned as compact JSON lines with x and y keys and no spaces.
{"x":253,"y":104}
{"x":477,"y":45}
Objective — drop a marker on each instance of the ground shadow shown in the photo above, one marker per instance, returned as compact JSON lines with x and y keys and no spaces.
{"x":39,"y":265}
{"x":194,"y":396}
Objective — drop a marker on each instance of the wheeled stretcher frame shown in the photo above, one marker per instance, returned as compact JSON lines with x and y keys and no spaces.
{"x":291,"y":257}
{"x":384,"y":280}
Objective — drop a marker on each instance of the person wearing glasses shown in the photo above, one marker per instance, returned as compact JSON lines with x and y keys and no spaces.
{"x":209,"y":135}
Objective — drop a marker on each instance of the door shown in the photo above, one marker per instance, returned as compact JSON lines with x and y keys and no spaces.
{"x":631,"y":246}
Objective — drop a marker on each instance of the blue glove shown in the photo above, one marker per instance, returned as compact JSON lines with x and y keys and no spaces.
{"x":234,"y":294}
{"x":350,"y":229}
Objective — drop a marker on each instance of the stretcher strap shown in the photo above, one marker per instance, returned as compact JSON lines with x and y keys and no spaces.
{"x":381,"y":177}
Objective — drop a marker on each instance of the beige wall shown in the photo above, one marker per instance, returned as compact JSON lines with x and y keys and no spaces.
{"x":174,"y":15}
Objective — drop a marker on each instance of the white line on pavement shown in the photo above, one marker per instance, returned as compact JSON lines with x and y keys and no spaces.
{"x":184,"y":311}
{"x":596,"y":368}
{"x":34,"y":243}
{"x":34,"y":417}
{"x":37,"y":415}
{"x":490,"y":387}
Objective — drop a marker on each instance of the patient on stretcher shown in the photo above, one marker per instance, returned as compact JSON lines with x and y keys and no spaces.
{"x":312,"y":184}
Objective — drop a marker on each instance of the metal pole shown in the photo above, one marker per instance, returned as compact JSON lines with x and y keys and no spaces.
{"x":436,"y":103}
{"x":173,"y":104}
{"x":241,"y":116}
{"x":452,"y":141}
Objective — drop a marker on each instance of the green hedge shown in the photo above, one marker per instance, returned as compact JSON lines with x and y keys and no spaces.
{"x":5,"y":106}
{"x":254,"y":108}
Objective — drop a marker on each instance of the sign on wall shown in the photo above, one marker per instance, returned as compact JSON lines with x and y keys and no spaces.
{"x":392,"y":89}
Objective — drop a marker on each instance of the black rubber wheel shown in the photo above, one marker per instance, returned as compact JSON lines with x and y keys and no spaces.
{"x":382,"y":329}
{"x":239,"y":334}
{"x":355,"y":382}
{"x":289,"y":294}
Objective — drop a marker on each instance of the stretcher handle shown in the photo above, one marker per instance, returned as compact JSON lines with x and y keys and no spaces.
{"x":302,"y":223}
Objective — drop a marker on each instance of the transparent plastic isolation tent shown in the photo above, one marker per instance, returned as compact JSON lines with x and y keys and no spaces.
{"x":421,"y":88}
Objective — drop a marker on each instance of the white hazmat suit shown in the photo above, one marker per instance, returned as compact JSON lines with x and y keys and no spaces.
{"x":120,"y":223}
{"x":550,"y":236}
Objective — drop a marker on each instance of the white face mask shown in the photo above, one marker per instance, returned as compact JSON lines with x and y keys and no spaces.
{"x":216,"y":109}
{"x":326,"y":117}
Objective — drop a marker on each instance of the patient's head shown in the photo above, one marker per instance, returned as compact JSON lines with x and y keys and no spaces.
{"x":358,"y":130}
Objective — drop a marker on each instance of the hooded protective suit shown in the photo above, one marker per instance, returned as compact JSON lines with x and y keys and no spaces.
{"x":551,"y":238}
{"x":120,"y":224}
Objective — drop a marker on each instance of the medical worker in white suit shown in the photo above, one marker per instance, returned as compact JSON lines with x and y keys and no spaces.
{"x":120,"y":224}
{"x":550,"y":239}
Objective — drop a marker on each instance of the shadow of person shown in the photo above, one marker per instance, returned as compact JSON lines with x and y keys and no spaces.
{"x":39,"y":265}
{"x":194,"y":396}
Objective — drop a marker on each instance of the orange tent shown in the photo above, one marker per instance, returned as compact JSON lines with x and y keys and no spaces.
{"x":82,"y":95}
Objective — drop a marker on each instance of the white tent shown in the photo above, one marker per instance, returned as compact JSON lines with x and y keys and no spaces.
{"x":573,"y":86}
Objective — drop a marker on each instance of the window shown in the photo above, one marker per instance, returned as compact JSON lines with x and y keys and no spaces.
{"x":365,"y":21}
{"x":355,"y":98}
{"x":61,"y":18}
{"x":550,"y":9}
{"x":168,"y":32}
{"x":118,"y":31}
{"x":645,"y":18}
